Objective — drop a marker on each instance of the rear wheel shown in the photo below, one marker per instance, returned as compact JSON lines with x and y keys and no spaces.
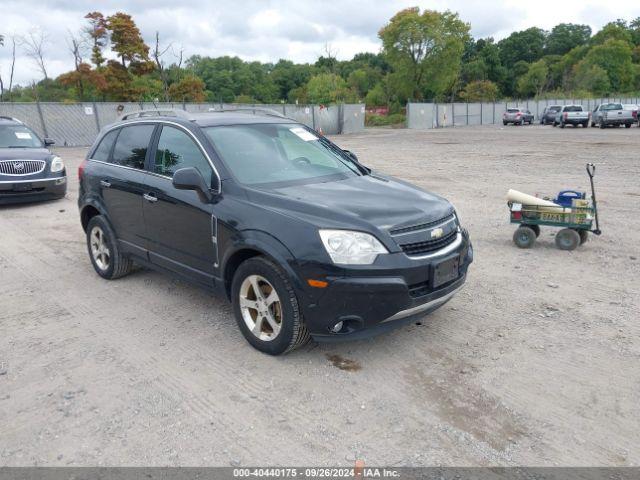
{"x":266,"y":307}
{"x":585,"y":124}
{"x":524,"y":237}
{"x":627,"y":125}
{"x":593,"y":124}
{"x":567,"y":239}
{"x":561,"y":124}
{"x":602,"y":125}
{"x":106,"y":258}
{"x":504,"y":123}
{"x":584,"y":236}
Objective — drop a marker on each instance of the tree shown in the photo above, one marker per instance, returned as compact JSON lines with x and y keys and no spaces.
{"x":425,"y":49}
{"x":535,"y":80}
{"x":591,"y":78}
{"x":126,"y":39}
{"x":376,"y":96}
{"x":526,"y":45}
{"x":158,"y":53}
{"x":614,"y":57}
{"x":566,"y":36}
{"x":617,"y":30}
{"x":189,"y":89}
{"x":326,"y":88}
{"x":33,"y":45}
{"x":480,"y":91}
{"x":97,"y":32}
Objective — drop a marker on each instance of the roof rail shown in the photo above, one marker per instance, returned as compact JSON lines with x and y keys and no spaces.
{"x":253,"y":110}
{"x":157,"y":112}
{"x":5,"y":117}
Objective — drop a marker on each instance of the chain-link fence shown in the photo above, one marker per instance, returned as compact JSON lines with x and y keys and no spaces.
{"x":78,"y":124}
{"x":436,"y":115}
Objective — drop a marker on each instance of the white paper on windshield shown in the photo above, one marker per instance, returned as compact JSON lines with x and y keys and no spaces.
{"x":23,"y":135}
{"x":305,"y":135}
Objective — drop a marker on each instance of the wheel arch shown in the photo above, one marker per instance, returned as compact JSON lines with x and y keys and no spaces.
{"x":253,"y":243}
{"x":88,"y":211}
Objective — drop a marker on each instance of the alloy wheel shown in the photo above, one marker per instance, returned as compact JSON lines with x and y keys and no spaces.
{"x":99,"y":249}
{"x":260,"y":307}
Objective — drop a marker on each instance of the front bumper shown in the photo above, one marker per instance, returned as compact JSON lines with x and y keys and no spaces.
{"x":21,"y":191}
{"x":379,"y":297}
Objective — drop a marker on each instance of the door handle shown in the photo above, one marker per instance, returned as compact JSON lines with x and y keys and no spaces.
{"x":150,"y":198}
{"x":105,"y":183}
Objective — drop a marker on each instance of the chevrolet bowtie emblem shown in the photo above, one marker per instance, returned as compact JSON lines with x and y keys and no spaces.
{"x":436,"y":233}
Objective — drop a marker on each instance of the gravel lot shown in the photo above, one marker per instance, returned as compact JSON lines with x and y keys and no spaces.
{"x":535,"y":362}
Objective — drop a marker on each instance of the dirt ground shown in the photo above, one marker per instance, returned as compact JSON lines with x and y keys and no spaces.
{"x":534,"y":362}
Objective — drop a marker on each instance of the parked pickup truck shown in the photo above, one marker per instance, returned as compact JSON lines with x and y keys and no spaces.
{"x":572,"y":115}
{"x":612,"y":114}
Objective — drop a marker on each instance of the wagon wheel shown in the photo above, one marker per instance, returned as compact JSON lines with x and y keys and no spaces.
{"x":584,"y":236}
{"x":567,"y":239}
{"x":535,"y":228}
{"x":524,"y":237}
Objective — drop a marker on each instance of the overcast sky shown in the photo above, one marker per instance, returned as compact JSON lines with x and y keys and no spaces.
{"x":268,"y":30}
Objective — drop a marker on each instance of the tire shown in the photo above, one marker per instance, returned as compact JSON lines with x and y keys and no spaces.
{"x":104,"y":252}
{"x":602,"y":125}
{"x":535,"y":228}
{"x":593,"y":124}
{"x":524,"y":237}
{"x":504,"y":123}
{"x":567,"y":239}
{"x":627,"y":125}
{"x":555,"y":123}
{"x":561,"y":124}
{"x":584,"y":236}
{"x":585,"y":125}
{"x":284,"y":312}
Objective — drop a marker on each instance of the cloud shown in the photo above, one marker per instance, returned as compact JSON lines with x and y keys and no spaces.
{"x":268,"y":30}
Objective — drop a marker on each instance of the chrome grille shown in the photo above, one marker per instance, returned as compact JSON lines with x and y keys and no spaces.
{"x":429,"y":246}
{"x":21,"y":167}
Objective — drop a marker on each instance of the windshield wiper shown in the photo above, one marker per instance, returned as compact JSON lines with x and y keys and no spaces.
{"x":341,"y":155}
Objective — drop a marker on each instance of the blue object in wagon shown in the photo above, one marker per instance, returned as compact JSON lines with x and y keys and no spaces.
{"x":566,"y":197}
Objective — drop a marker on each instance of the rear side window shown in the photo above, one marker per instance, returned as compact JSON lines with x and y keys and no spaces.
{"x":132,"y":145}
{"x":104,"y":149}
{"x":573,"y":108}
{"x":513,"y":110}
{"x":177,"y":150}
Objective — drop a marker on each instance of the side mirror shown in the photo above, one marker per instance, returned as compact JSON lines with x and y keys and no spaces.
{"x":49,"y":141}
{"x":191,"y":179}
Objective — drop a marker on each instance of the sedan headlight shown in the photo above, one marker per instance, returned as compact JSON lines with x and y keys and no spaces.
{"x":351,"y":248}
{"x":57,"y":165}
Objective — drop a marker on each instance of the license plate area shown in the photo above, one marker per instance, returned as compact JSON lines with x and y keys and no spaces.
{"x":22,"y":187}
{"x":445,"y":271}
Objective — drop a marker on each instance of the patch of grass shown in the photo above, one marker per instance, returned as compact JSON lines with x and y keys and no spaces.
{"x":395,"y":119}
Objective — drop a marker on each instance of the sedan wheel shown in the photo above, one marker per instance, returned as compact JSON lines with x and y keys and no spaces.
{"x":261,"y":308}
{"x":99,"y":249}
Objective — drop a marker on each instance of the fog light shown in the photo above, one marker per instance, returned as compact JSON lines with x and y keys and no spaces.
{"x":337,"y":327}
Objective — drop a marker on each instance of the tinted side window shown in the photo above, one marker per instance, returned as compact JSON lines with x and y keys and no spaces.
{"x":131,"y":146}
{"x":176,"y":150}
{"x":104,"y":149}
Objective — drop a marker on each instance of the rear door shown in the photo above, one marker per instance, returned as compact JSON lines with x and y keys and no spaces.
{"x":182,"y":229}
{"x":122,"y":183}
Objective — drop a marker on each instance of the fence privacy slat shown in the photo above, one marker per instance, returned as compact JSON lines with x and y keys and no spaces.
{"x":76,"y":125}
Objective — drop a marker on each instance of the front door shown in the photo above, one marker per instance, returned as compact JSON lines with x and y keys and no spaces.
{"x":181,"y":228}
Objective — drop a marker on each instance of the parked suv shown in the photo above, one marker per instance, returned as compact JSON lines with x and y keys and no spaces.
{"x":303,"y":238}
{"x":517,"y":116}
{"x":28,"y":170}
{"x":549,"y":114}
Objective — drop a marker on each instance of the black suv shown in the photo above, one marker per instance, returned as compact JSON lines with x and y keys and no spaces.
{"x":303,"y":239}
{"x":28,"y":170}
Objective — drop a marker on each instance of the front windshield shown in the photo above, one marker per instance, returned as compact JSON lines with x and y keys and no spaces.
{"x":277,"y":153}
{"x":18,"y":136}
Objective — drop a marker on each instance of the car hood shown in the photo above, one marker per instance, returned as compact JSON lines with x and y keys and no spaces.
{"x":24,"y":154}
{"x":358,"y":203}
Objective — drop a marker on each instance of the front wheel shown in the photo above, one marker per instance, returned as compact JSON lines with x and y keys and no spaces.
{"x":266,"y":307}
{"x":567,"y":239}
{"x":593,"y":124}
{"x":524,"y":237}
{"x":106,"y":258}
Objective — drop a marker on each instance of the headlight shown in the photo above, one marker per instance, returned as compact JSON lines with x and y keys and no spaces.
{"x":57,"y":165}
{"x":351,"y":248}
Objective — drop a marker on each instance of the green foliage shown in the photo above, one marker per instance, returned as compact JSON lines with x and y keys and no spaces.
{"x":326,"y":88}
{"x":614,"y":57}
{"x":480,"y":91}
{"x":565,"y":37}
{"x":526,"y":46}
{"x":425,"y":50}
{"x":534,"y":81}
{"x":395,"y":119}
